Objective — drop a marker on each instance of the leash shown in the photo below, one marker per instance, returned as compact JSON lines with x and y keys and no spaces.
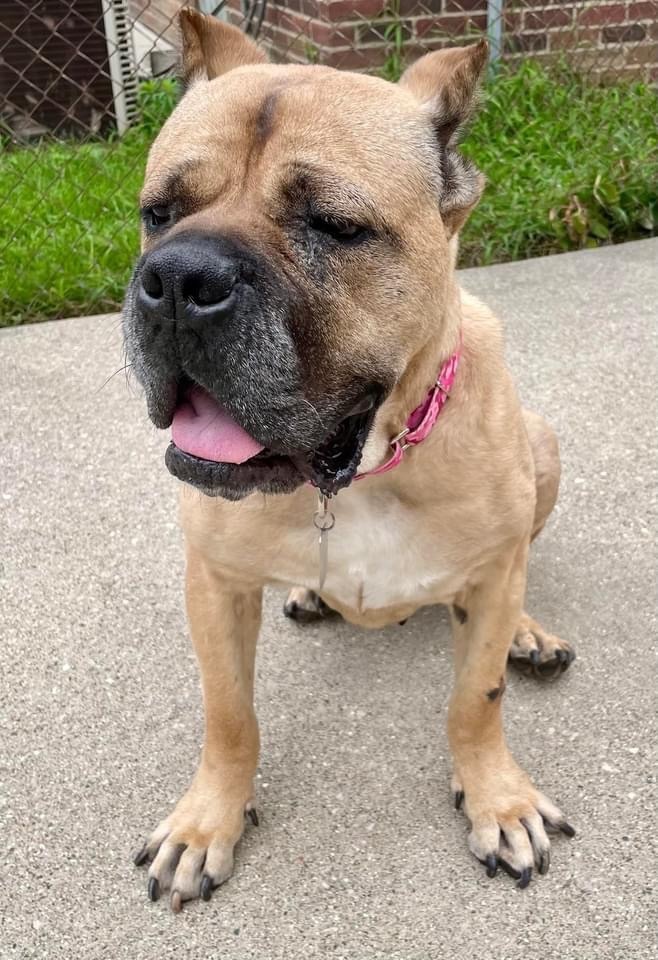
{"x":419,"y":425}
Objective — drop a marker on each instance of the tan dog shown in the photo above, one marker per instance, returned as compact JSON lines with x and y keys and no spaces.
{"x":294,"y":301}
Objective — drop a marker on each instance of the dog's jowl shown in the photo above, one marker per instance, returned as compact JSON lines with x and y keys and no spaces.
{"x":295,"y":319}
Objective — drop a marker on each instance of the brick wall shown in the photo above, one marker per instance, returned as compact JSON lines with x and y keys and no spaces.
{"x":609,"y":38}
{"x":158,"y":15}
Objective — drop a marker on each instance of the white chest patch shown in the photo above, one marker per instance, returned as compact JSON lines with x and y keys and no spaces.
{"x":377,"y":557}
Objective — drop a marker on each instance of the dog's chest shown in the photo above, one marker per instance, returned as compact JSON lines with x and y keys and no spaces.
{"x":380,"y":555}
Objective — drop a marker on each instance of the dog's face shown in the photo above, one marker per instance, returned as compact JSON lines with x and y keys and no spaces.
{"x":296,"y":230}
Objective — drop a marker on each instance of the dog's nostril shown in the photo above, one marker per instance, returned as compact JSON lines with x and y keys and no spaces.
{"x":206,"y":290}
{"x":152,"y":284}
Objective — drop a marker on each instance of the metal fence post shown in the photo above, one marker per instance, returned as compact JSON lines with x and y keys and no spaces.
{"x":495,"y":30}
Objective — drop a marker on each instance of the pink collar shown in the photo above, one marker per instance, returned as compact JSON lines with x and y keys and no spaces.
{"x":422,"y":419}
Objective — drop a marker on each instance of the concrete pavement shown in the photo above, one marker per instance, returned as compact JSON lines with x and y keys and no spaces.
{"x":359,"y":854}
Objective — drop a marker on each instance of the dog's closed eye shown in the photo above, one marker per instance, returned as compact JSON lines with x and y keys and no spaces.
{"x":157,"y":215}
{"x":338,"y":228}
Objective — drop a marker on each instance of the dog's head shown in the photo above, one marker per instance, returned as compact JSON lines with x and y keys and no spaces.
{"x":297,"y":226}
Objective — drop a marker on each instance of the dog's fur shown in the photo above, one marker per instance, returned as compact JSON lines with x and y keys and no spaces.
{"x":246,"y":151}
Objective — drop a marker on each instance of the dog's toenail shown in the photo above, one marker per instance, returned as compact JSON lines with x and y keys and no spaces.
{"x":459,"y":799}
{"x":491,"y":864}
{"x":176,"y":901}
{"x":509,"y":869}
{"x":253,"y":816}
{"x":141,"y":856}
{"x":567,"y":829}
{"x":154,"y":889}
{"x":206,"y":887}
{"x":525,"y":878}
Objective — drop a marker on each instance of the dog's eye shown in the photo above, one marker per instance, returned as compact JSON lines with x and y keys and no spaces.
{"x":338,"y":229}
{"x":157,"y":216}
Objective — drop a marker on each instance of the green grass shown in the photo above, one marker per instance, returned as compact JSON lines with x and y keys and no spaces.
{"x":68,"y":219}
{"x":569,"y":165}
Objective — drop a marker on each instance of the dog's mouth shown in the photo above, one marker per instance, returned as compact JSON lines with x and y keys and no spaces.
{"x":211,"y":450}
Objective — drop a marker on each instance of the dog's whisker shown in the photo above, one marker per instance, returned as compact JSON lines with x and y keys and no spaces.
{"x":125,"y":367}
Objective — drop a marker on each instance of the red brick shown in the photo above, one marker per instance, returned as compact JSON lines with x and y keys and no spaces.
{"x":419,"y":8}
{"x":643,"y":11}
{"x":363,"y":59}
{"x":452,"y":26}
{"x":337,"y":10}
{"x":460,"y":6}
{"x":512,"y":21}
{"x":646,"y":53}
{"x":309,"y":7}
{"x":376,"y":31}
{"x":631,"y":33}
{"x":319,"y":32}
{"x":546,"y":19}
{"x":525,"y":42}
{"x":570,"y":40}
{"x":602,"y":14}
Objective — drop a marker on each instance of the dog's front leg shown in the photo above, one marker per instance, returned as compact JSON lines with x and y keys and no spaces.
{"x":509,"y":816}
{"x":192,"y":850}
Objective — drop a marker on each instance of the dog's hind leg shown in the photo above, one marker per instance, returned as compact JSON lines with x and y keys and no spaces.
{"x":546,"y":454}
{"x":535,"y":650}
{"x":305,"y":605}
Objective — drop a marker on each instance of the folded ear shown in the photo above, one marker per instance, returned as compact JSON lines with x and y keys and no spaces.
{"x":212,"y":47}
{"x":446,"y":84}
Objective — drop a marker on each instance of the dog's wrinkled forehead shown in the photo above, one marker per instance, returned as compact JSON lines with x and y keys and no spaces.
{"x":364,"y":139}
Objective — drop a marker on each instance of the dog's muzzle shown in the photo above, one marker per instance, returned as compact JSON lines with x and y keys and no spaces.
{"x":210,"y":331}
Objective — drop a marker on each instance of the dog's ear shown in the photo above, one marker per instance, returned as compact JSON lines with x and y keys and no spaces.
{"x":446,"y":84}
{"x":211,"y":47}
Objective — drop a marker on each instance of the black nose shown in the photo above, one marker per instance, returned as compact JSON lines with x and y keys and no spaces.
{"x":187,"y":278}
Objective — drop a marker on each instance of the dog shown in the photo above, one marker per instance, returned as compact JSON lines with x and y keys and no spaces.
{"x":295,"y":318}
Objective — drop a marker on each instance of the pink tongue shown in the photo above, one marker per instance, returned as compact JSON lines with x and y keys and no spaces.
{"x":203,"y":428}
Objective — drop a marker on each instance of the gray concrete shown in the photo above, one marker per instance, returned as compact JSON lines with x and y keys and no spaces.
{"x":359,"y":854}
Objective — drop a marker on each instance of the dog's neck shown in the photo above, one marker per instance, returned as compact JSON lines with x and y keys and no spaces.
{"x":422,"y":369}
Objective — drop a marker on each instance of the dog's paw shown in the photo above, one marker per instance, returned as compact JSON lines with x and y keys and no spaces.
{"x":191,"y":852}
{"x":541,"y":654}
{"x":510,"y":821}
{"x":305,"y":605}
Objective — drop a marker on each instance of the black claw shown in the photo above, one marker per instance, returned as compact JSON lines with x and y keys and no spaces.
{"x":525,"y":878}
{"x":253,"y":816}
{"x":535,"y":657}
{"x":509,"y":869}
{"x":141,"y":856}
{"x":491,"y":863}
{"x":563,"y":659}
{"x":154,"y":889}
{"x":459,"y":799}
{"x":207,"y":887}
{"x":290,"y":610}
{"x":544,"y":861}
{"x":567,"y":829}
{"x":401,"y":623}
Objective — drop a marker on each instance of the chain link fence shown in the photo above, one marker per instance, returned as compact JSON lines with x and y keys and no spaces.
{"x":84,"y":86}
